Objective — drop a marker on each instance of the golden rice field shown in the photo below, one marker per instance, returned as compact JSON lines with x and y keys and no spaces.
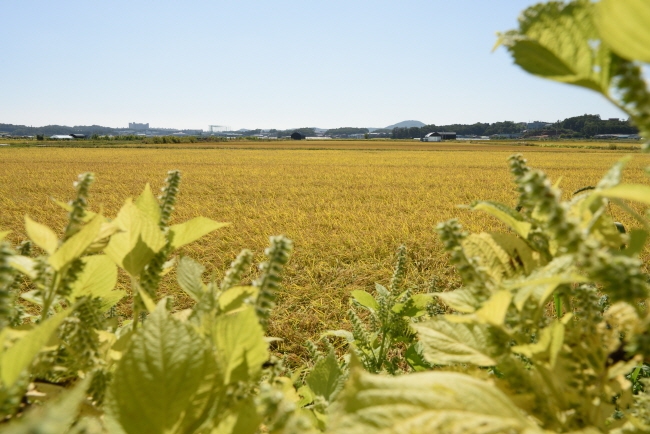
{"x":346,"y":209}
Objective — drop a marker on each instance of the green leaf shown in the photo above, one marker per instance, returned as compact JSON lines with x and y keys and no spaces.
{"x":623,"y":25}
{"x":23,"y":264}
{"x":148,"y":204}
{"x":424,"y":402}
{"x":140,"y":240}
{"x":507,"y":215}
{"x":445,"y":343}
{"x":549,"y":344}
{"x":56,"y":416}
{"x":326,"y":378}
{"x":495,"y":260}
{"x":235,"y":297}
{"x":239,"y":340}
{"x":365,"y":299}
{"x":188,"y":276}
{"x":494,"y":310}
{"x":76,"y":245}
{"x":17,"y":358}
{"x":461,"y":300}
{"x":556,"y":41}
{"x":98,"y":279}
{"x":41,"y":235}
{"x":638,"y":238}
{"x":242,"y":418}
{"x":158,"y":378}
{"x":192,"y":230}
{"x":415,"y":358}
{"x":522,"y":257}
{"x":635,"y":192}
{"x":3,"y":234}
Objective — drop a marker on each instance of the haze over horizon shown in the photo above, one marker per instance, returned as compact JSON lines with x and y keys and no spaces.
{"x":286,"y":64}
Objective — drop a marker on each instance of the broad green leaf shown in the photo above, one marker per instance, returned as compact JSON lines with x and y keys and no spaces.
{"x":556,"y":41}
{"x":235,"y":297}
{"x":76,"y":245}
{"x":103,"y":237}
{"x":56,"y":416}
{"x":326,"y":378}
{"x":461,"y":300}
{"x":348,"y":336}
{"x":23,"y":264}
{"x":3,"y":234}
{"x":41,"y":235}
{"x":635,"y":192}
{"x":540,"y":288}
{"x":424,"y":402}
{"x":507,"y":215}
{"x":242,"y":418}
{"x":66,"y":206}
{"x":365,"y":299}
{"x":494,"y":310}
{"x":98,"y":279}
{"x":239,"y":340}
{"x":638,"y":238}
{"x":158,"y":378}
{"x":445,"y":343}
{"x":188,"y":276}
{"x":17,"y":358}
{"x":148,"y":204}
{"x":140,"y":241}
{"x":623,"y":25}
{"x":192,"y":230}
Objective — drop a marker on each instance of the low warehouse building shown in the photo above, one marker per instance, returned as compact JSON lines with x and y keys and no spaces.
{"x":439,"y":136}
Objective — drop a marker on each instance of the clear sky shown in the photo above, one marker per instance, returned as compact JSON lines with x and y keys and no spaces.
{"x":270,"y":64}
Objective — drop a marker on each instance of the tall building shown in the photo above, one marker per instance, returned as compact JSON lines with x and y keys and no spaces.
{"x":137,"y":126}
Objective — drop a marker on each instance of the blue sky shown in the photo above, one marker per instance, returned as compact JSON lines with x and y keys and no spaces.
{"x":270,"y":64}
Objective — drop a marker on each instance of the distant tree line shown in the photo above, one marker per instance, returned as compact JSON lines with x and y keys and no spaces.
{"x":574,"y":127}
{"x":345,"y":131}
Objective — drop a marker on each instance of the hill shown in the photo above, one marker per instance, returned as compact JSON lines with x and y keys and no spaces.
{"x":406,"y":124}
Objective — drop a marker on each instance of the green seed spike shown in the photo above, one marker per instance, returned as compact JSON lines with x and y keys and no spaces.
{"x":168,"y":196}
{"x":79,"y":204}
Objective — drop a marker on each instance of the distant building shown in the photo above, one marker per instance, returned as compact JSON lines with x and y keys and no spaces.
{"x":439,"y":136}
{"x":61,"y":137}
{"x":137,"y":126}
{"x":78,"y":136}
{"x":537,"y":125}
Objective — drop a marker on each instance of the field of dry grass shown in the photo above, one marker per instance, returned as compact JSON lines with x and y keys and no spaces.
{"x":347,"y":209}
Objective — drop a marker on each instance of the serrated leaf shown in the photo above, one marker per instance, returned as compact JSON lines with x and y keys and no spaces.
{"x":17,"y":358}
{"x":445,"y":343}
{"x":635,"y":192}
{"x":556,"y":41}
{"x":461,"y":300}
{"x":623,"y":25}
{"x":148,"y":204}
{"x":522,"y":257}
{"x":98,"y":279}
{"x":507,"y":215}
{"x":239,"y":340}
{"x":415,"y":358}
{"x":76,"y":245}
{"x":56,"y":416}
{"x":365,"y":299}
{"x":140,"y":240}
{"x":235,"y":297}
{"x":158,"y":378}
{"x":192,"y":230}
{"x":326,"y":378}
{"x":424,"y":402}
{"x":495,"y":261}
{"x":188,"y":276}
{"x":41,"y":235}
